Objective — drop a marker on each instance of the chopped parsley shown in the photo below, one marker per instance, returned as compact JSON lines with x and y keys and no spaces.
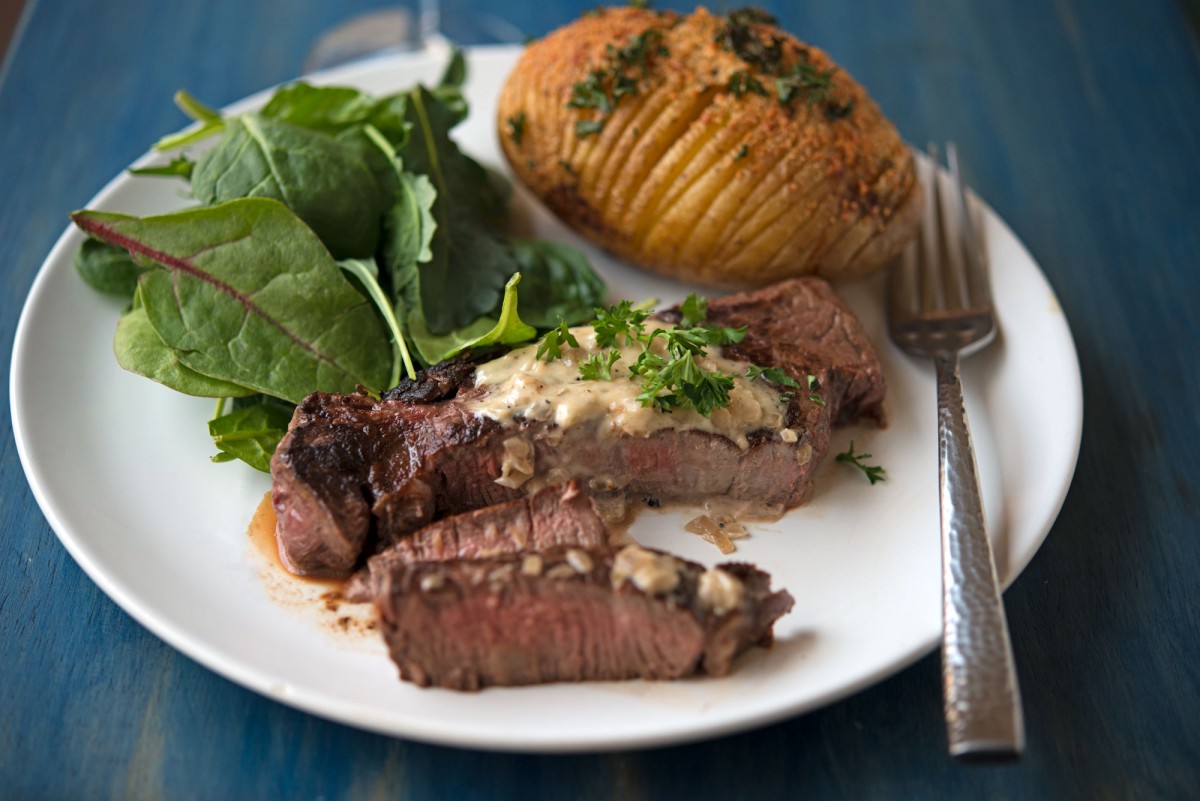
{"x":598,"y":366}
{"x":739,"y":37}
{"x":838,"y":111}
{"x":551,"y":345}
{"x":742,"y":153}
{"x":516,"y":128}
{"x":621,"y":321}
{"x":742,"y":83}
{"x":742,"y":35}
{"x":694,"y":310}
{"x":752,"y":16}
{"x":873,"y":473}
{"x":806,"y":81}
{"x":604,"y":87}
{"x":775,"y":375}
{"x":670,"y":375}
{"x":813,"y":386}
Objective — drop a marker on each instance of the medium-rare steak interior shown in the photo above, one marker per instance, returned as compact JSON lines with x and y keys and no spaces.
{"x":571,"y":615}
{"x":355,"y":475}
{"x":559,"y":516}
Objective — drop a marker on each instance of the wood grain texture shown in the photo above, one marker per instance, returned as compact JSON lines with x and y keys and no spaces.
{"x":1077,"y":120}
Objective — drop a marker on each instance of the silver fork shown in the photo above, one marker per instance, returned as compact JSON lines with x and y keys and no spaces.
{"x":940,"y":306}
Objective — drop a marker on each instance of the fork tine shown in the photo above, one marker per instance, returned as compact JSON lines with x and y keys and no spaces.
{"x":931,"y":250}
{"x":976,"y":285}
{"x":902,"y":292}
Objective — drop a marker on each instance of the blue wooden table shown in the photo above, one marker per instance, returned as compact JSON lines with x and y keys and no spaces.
{"x":1081,"y":119}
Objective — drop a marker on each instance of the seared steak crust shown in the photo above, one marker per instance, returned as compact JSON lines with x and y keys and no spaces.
{"x":469,"y":624}
{"x":352,"y":468}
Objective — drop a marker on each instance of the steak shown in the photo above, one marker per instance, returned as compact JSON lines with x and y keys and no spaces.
{"x":567,"y":615}
{"x":355,"y":475}
{"x":558,"y":516}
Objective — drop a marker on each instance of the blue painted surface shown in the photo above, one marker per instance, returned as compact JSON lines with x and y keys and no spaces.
{"x":1081,"y":121}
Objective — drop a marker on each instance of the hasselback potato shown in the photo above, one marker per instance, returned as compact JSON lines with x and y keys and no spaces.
{"x":718,"y":150}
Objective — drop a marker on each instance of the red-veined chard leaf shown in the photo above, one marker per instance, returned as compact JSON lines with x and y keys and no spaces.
{"x":107,"y":269}
{"x":140,"y":350}
{"x":247,"y":294}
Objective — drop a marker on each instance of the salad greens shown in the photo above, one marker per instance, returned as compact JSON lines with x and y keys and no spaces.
{"x":246,"y":293}
{"x":340,"y":240}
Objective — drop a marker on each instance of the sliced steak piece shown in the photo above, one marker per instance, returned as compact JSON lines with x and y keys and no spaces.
{"x":558,"y":516}
{"x":351,"y":467}
{"x":567,"y":615}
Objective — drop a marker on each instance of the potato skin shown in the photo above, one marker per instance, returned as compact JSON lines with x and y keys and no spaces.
{"x":692,"y":179}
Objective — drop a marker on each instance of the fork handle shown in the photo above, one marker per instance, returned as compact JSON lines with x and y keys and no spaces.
{"x":979,"y":680}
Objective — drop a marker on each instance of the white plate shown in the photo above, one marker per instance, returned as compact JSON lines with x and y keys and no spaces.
{"x":120,"y":467}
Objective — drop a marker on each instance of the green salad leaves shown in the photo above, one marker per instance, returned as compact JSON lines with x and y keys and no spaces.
{"x":340,"y":241}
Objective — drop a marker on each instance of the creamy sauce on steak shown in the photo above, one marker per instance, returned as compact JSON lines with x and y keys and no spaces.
{"x":520,"y":386}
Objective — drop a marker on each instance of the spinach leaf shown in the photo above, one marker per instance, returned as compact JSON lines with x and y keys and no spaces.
{"x":140,"y":350}
{"x":557,"y":283}
{"x":327,"y":182}
{"x":508,"y":329}
{"x":107,"y":268}
{"x":449,"y":88}
{"x":247,"y":294}
{"x":455,"y":74}
{"x":408,"y":232}
{"x":250,"y":432}
{"x":465,"y":277}
{"x":333,"y":109}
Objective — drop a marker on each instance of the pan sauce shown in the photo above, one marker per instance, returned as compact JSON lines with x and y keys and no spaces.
{"x":521,"y":386}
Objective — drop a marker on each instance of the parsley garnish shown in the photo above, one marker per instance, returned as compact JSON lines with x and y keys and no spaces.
{"x":874,"y":473}
{"x":762,"y":50}
{"x":742,"y":82}
{"x":812,"y":84}
{"x":775,"y":375}
{"x":752,"y":16}
{"x":620,"y":321}
{"x":598,"y":366}
{"x":737,"y":36}
{"x":678,"y":381}
{"x":585,"y":128}
{"x":604,"y":87}
{"x":813,"y":386}
{"x":516,"y":128}
{"x":694,"y":310}
{"x":670,"y":375}
{"x":838,"y":111}
{"x":551,"y":345}
{"x":742,"y":153}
